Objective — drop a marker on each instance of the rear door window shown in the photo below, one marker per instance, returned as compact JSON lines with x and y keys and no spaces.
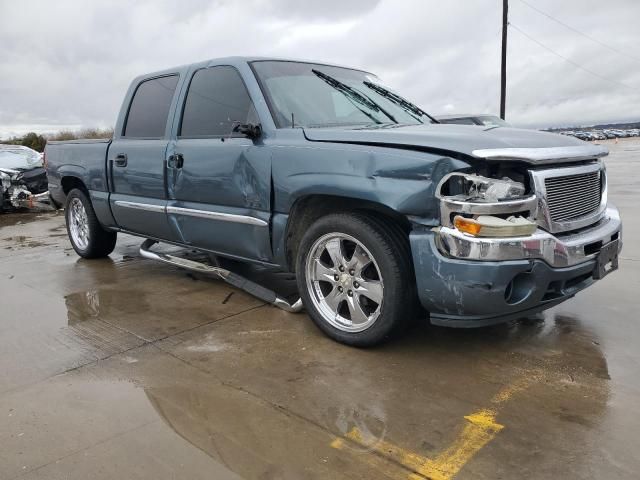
{"x":217,"y":100}
{"x":149,"y":108}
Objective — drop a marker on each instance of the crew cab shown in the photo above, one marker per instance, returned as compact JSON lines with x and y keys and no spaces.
{"x":380,"y":211}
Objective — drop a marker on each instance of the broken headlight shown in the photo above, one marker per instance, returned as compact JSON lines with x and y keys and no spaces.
{"x":488,"y":207}
{"x":474,"y":188}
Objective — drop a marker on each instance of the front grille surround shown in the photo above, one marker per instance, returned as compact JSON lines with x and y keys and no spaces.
{"x":570,"y":198}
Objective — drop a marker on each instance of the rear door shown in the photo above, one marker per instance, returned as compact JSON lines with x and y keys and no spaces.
{"x":136,"y":158}
{"x":219,"y":182}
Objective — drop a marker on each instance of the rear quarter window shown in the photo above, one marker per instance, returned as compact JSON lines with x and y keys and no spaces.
{"x":149,"y":109}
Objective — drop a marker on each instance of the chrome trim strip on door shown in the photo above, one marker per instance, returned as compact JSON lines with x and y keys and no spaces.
{"x":191,"y":212}
{"x":141,"y":206}
{"x":543,"y":155}
{"x":224,"y":217}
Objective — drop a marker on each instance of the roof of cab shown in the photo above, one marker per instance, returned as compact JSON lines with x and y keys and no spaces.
{"x":235,"y":60}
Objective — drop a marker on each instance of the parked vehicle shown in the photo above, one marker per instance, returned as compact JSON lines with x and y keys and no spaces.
{"x":23,"y":180}
{"x":482,"y":119}
{"x":322,"y":171}
{"x":582,"y":135}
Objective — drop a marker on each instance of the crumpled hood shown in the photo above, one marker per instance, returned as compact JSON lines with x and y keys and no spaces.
{"x":9,"y":173}
{"x":488,"y":143}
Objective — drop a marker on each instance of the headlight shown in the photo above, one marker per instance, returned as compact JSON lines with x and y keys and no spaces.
{"x":474,"y":188}
{"x":488,"y":207}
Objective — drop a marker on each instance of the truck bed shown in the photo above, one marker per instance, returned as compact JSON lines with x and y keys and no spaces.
{"x":79,"y":158}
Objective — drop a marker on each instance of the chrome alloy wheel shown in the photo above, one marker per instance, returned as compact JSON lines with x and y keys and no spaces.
{"x":78,"y":224}
{"x":344,"y":282}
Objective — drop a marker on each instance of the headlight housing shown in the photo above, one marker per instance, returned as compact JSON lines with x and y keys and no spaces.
{"x":475,"y":188}
{"x":483,"y":206}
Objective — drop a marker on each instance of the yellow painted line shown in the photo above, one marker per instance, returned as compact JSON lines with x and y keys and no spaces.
{"x":479,"y":429}
{"x":410,"y":460}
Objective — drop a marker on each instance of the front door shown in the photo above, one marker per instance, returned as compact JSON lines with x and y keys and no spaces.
{"x":219,"y":182}
{"x":136,"y":161}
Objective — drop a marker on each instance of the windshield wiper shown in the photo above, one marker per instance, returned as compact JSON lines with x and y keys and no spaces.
{"x":398,"y":100}
{"x":353,"y":94}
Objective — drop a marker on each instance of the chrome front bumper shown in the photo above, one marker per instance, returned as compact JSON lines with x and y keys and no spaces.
{"x":558,"y":251}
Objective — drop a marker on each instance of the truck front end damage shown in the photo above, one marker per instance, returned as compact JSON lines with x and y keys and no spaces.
{"x":521,"y":239}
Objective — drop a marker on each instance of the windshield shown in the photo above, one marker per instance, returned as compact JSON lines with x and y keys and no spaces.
{"x":312,"y":95}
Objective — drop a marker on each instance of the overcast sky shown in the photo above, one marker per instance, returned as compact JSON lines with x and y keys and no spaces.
{"x":67,"y":64}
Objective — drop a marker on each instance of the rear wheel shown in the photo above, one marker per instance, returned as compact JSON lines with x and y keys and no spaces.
{"x":356,"y":278}
{"x":87,"y":236}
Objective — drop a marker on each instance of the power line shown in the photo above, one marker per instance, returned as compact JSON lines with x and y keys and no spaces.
{"x":503,"y":63}
{"x":571,"y":61}
{"x":613,"y":49}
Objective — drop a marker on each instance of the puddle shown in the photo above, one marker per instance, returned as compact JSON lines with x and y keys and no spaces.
{"x":105,"y":303}
{"x":21,"y":241}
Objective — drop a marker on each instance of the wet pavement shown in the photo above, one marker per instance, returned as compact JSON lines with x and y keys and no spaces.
{"x":124,"y":368}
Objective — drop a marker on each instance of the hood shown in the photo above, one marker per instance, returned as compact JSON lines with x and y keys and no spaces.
{"x":487,"y":143}
{"x":17,"y":157}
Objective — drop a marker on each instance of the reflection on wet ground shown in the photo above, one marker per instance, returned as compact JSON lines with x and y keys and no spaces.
{"x":123,"y":368}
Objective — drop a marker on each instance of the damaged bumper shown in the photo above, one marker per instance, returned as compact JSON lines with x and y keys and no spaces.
{"x":557,"y":251}
{"x":470,"y":281}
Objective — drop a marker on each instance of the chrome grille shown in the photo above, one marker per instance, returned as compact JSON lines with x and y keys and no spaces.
{"x":573,"y":196}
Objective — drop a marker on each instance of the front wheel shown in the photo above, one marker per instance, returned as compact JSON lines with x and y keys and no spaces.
{"x":87,"y":236}
{"x":356,"y":279}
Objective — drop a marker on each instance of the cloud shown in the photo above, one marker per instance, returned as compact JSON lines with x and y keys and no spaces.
{"x":69,"y":63}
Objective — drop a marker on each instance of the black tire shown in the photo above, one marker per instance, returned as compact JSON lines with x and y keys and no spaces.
{"x":389,"y":246}
{"x":100,"y":242}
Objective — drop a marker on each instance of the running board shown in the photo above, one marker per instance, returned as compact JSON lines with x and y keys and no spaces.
{"x":231,"y":278}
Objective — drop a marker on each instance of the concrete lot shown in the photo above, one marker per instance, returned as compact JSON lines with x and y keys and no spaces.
{"x":123,"y":368}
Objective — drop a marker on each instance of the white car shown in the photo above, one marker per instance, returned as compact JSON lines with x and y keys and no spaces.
{"x":23,"y":179}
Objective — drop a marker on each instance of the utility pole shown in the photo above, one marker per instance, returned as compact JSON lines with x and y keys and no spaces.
{"x":503,"y":67}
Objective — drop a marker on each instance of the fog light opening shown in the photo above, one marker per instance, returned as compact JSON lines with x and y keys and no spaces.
{"x":508,"y":292}
{"x":519,"y":288}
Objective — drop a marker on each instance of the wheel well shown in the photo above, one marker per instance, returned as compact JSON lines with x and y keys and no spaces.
{"x":307,"y":210}
{"x":69,"y":183}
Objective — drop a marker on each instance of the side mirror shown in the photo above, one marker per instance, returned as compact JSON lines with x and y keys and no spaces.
{"x":250,"y":130}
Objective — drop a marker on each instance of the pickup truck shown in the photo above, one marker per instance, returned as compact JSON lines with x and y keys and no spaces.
{"x":382,"y":213}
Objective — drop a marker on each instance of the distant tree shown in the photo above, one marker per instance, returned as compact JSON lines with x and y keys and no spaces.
{"x":85,"y":133}
{"x":64,"y":135}
{"x":96,"y":133}
{"x":38,"y":142}
{"x":13,"y":141}
{"x":35,"y":141}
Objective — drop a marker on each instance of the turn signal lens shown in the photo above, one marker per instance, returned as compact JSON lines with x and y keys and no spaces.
{"x":467,"y":225}
{"x":490,"y":226}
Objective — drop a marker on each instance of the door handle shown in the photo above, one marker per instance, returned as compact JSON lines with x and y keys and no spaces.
{"x":121,"y":160}
{"x":175,"y":161}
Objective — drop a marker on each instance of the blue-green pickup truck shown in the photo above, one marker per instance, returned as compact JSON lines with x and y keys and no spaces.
{"x":381,"y":212}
